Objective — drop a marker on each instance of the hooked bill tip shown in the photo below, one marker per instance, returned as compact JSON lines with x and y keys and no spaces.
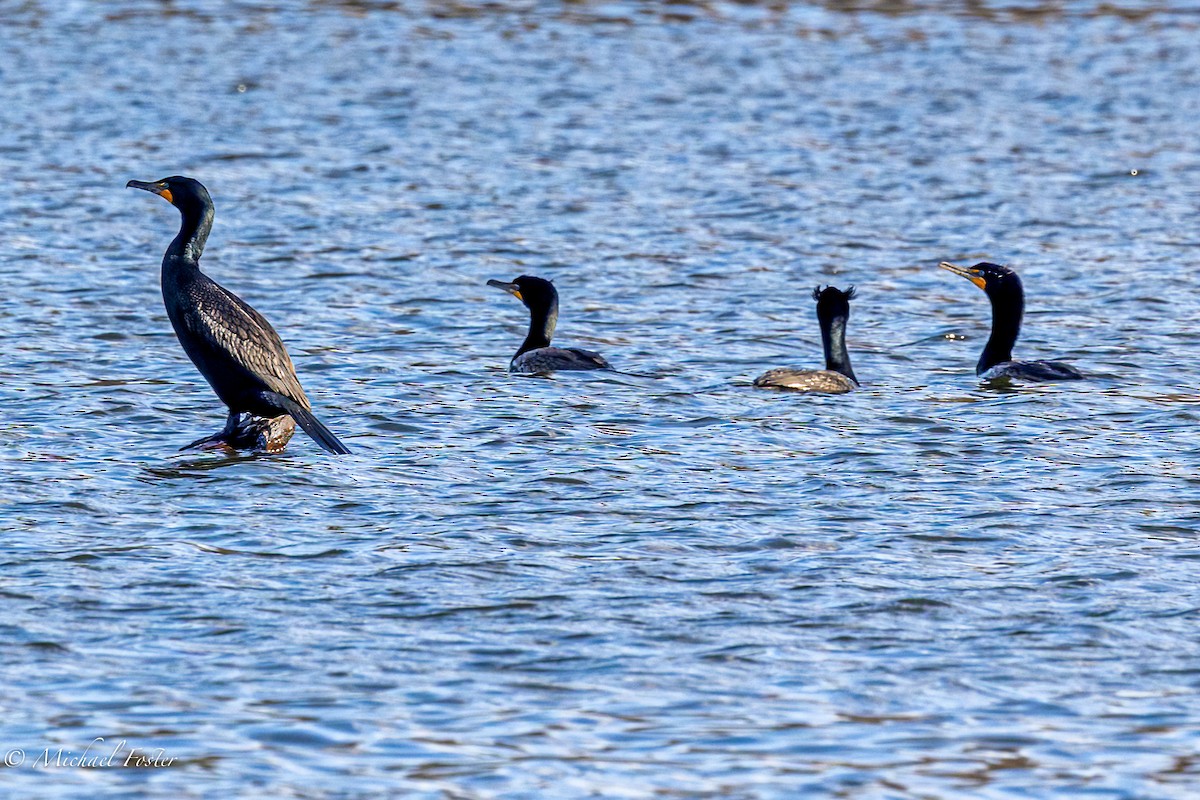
{"x":156,"y":187}
{"x":511,"y":288}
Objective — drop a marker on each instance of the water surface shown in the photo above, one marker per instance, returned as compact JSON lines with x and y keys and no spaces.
{"x":665,"y":584}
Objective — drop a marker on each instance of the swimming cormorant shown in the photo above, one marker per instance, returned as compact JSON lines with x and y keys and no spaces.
{"x":234,"y":347}
{"x":536,"y":356}
{"x":1003,"y":288}
{"x":833,"y":309}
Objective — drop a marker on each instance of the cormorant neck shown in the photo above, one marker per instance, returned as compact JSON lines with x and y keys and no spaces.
{"x":188,"y":244}
{"x":833,"y":338}
{"x":542,"y":321}
{"x":1008,"y":305}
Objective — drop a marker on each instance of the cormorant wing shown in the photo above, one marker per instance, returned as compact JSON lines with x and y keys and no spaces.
{"x":1033,"y":371}
{"x":549,"y":359}
{"x":233,"y":331}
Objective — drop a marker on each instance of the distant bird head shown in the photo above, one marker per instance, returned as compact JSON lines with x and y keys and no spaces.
{"x":533,"y":292}
{"x":832,"y":301}
{"x":186,"y":194}
{"x":992,"y":278}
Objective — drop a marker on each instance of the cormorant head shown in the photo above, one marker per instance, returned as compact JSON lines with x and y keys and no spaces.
{"x":535,"y":293}
{"x":994,"y":279}
{"x":186,"y":194}
{"x":832,"y":301}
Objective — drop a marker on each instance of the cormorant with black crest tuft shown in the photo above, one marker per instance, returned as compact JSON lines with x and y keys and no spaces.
{"x":833,"y":310}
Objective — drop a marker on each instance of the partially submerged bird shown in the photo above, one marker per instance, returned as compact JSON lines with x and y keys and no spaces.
{"x":535,"y":355}
{"x":234,"y":347}
{"x":1003,"y":288}
{"x":833,"y":309}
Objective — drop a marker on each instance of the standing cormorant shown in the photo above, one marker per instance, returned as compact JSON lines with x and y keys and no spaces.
{"x":833,"y":309}
{"x":234,"y":347}
{"x":536,"y":356}
{"x":1003,"y":288}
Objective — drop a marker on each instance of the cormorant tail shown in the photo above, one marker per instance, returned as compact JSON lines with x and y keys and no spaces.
{"x":311,"y":425}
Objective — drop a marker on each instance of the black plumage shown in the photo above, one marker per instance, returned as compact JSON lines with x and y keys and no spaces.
{"x":536,"y":356}
{"x":1007,"y":295}
{"x":232,"y":345}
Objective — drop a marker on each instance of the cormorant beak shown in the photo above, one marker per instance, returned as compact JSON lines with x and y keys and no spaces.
{"x":158,"y":187}
{"x":511,"y":288}
{"x":966,"y":272}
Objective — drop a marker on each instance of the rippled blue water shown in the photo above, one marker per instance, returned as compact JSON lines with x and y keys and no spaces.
{"x":665,"y":584}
